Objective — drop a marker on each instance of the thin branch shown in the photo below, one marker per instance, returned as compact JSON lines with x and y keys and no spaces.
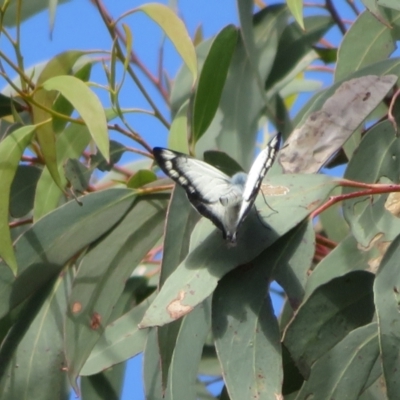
{"x":115,"y":32}
{"x":20,"y":222}
{"x":161,"y":188}
{"x":378,"y":189}
{"x":321,"y":68}
{"x":17,"y":70}
{"x":137,"y":151}
{"x":335,"y":15}
{"x":325,"y":241}
{"x":132,"y":135}
{"x":353,"y":7}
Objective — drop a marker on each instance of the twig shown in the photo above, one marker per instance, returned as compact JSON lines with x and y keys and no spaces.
{"x":156,"y":189}
{"x":20,"y":222}
{"x":353,"y":7}
{"x":325,"y":241}
{"x":115,"y":32}
{"x":134,"y":136}
{"x":335,"y":16}
{"x":378,"y":189}
{"x":321,"y":68}
{"x":137,"y":151}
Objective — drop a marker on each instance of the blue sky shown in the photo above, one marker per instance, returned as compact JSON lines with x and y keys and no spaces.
{"x":78,"y":26}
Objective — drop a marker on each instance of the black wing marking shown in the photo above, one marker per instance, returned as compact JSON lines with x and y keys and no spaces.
{"x":256,"y":175}
{"x":209,"y":190}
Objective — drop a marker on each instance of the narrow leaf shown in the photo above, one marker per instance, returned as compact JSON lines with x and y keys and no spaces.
{"x":176,"y":31}
{"x":11,"y":150}
{"x":47,"y":245}
{"x":212,"y":79}
{"x":39,"y":356}
{"x":332,"y":311}
{"x":296,"y":8}
{"x":387,"y":302}
{"x":62,"y":64}
{"x":182,"y":374}
{"x":121,"y":340}
{"x":98,"y":284}
{"x":246,"y":332}
{"x":88,"y":106}
{"x":353,"y":357}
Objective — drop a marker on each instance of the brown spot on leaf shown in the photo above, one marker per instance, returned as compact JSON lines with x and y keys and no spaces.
{"x":95,"y":321}
{"x":76,"y":307}
{"x":176,"y":309}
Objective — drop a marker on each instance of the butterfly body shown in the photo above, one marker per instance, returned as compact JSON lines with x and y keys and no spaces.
{"x":224,"y":200}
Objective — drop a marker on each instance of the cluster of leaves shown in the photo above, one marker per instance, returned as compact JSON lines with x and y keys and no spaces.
{"x":82,"y":289}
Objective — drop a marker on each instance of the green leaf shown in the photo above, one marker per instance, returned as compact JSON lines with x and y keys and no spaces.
{"x":104,"y":385}
{"x":120,"y":340}
{"x":328,"y":315}
{"x":70,"y":144}
{"x":328,"y":56}
{"x":246,"y":331}
{"x":296,"y":251}
{"x":39,"y":356}
{"x":176,"y":31}
{"x":222,"y":161}
{"x":380,"y":150}
{"x":348,"y":366}
{"x":389,"y":3}
{"x":151,"y":368}
{"x":60,"y":65}
{"x":116,"y":151}
{"x":296,"y":8}
{"x":28,"y":9}
{"x":97,"y":285}
{"x":23,"y":190}
{"x":78,"y":175}
{"x":210,"y":258}
{"x":181,"y":219}
{"x":178,"y":133}
{"x":46,"y":246}
{"x":141,"y":178}
{"x":366,"y":42}
{"x":83,"y":68}
{"x":373,"y":8}
{"x":11,"y":150}
{"x":296,"y":51}
{"x":241,"y":95}
{"x":387,"y":301}
{"x":88,"y":106}
{"x":376,"y":392}
{"x":212,"y":79}
{"x":347,"y":256}
{"x":182,"y":373}
{"x":7,"y":104}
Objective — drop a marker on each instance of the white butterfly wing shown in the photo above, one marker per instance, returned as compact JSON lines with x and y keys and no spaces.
{"x":256,"y":175}
{"x":209,"y":190}
{"x":199,"y":179}
{"x":225,"y":201}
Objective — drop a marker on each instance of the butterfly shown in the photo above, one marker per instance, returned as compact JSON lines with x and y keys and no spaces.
{"x":225,"y":200}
